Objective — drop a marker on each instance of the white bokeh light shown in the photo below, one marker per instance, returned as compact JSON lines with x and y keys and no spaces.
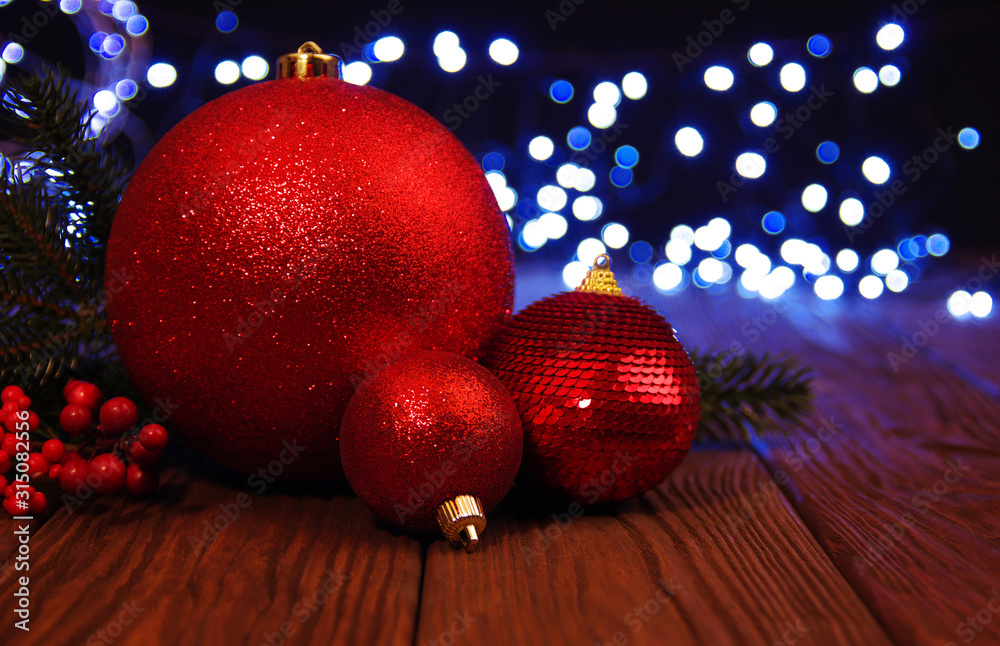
{"x":574,"y":273}
{"x":750,"y":165}
{"x":667,"y":276}
{"x":710,"y":270}
{"x":848,"y":260}
{"x":534,"y":234}
{"x":678,"y":252}
{"x":601,"y":115}
{"x":688,"y":141}
{"x":897,"y":280}
{"x":865,"y":80}
{"x":587,"y":208}
{"x":890,"y":36}
{"x":615,"y":235}
{"x":584,"y":180}
{"x":554,"y":225}
{"x":634,"y":85}
{"x":452,"y":60}
{"x":566,"y":175}
{"x":607,"y":93}
{"x":161,"y":75}
{"x":227,"y":72}
{"x":551,"y":198}
{"x":981,"y":305}
{"x":445,"y":42}
{"x":814,"y":198}
{"x":889,"y":75}
{"x":760,"y":55}
{"x":793,"y":77}
{"x":884,"y":261}
{"x":763,"y":114}
{"x":541,"y":148}
{"x":388,"y":49}
{"x":589,"y":249}
{"x":870,"y":287}
{"x":254,"y":68}
{"x":876,"y":170}
{"x":960,"y":303}
{"x":852,"y":211}
{"x":719,"y":78}
{"x":503,"y":51}
{"x":358,"y":73}
{"x":829,"y":287}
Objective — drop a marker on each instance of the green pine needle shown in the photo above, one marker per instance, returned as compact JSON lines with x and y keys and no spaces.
{"x":743,"y":395}
{"x":58,"y":195}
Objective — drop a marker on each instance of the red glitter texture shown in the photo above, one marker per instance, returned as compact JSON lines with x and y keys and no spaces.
{"x":433,"y":426}
{"x":609,"y":399}
{"x":281,"y":245}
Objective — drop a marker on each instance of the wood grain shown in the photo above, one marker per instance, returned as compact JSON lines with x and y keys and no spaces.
{"x":309,"y":563}
{"x":879,"y":488}
{"x":739,"y":562}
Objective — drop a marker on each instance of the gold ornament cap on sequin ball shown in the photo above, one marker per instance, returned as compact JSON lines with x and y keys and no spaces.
{"x":308,"y":62}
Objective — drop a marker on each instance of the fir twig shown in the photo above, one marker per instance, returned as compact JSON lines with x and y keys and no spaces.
{"x":741,"y":395}
{"x":58,"y":195}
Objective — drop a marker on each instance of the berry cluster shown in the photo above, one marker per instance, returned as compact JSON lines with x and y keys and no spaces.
{"x":102,"y":460}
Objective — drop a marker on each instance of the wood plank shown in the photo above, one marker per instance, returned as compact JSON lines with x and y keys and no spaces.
{"x":735,"y":580}
{"x":318,"y":568}
{"x":923,"y":562}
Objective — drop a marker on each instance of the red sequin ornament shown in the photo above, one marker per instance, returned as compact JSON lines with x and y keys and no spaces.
{"x":609,"y":399}
{"x":283,"y":244}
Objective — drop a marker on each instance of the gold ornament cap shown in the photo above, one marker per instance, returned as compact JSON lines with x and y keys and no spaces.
{"x":462,"y":520}
{"x":308,"y":62}
{"x":599,"y":279}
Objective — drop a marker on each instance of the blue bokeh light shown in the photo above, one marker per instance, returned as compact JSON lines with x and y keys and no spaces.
{"x":819,"y":46}
{"x":70,"y":6}
{"x":578,"y":138}
{"x":561,"y":91}
{"x":112,"y":46}
{"x":126,"y":89}
{"x":137,"y":25}
{"x":919,"y":245}
{"x":123,"y":10}
{"x":621,"y":177}
{"x":640,"y":251}
{"x":493,"y":161}
{"x":938,"y":244}
{"x":773,"y":222}
{"x":907,"y":249}
{"x":96,"y":40}
{"x":827,"y":152}
{"x":226,"y":22}
{"x":627,"y":156}
{"x":968,"y":138}
{"x":12,"y":53}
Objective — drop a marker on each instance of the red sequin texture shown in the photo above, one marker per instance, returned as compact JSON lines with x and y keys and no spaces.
{"x":609,"y":399}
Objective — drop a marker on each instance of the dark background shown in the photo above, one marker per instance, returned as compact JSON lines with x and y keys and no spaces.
{"x":949,"y":64}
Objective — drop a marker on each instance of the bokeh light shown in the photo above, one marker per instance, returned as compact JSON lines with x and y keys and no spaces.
{"x":688,"y":141}
{"x":503,"y":51}
{"x":578,"y":138}
{"x":136,"y":25}
{"x":750,"y":165}
{"x":445,"y":42}
{"x":828,"y":287}
{"x":876,"y":170}
{"x":358,"y":73}
{"x":667,"y":276}
{"x":626,"y":156}
{"x":453,"y":60}
{"x":12,"y":53}
{"x":938,"y":244}
{"x":773,"y":222}
{"x":551,"y":198}
{"x":865,"y":80}
{"x":589,"y":249}
{"x":960,"y":303}
{"x":227,"y":72}
{"x":615,"y":235}
{"x":254,"y":68}
{"x":819,"y":46}
{"x":847,"y":260}
{"x":226,"y":22}
{"x":126,"y":89}
{"x":760,"y":55}
{"x":852,"y":211}
{"x":968,"y":138}
{"x":719,"y":78}
{"x":814,"y":198}
{"x":763,"y":114}
{"x":827,"y":152}
{"x":884,"y":261}
{"x":889,"y":75}
{"x":793,"y":77}
{"x":587,"y":208}
{"x":388,"y":49}
{"x":870,"y":287}
{"x":890,"y":36}
{"x":601,"y":115}
{"x":607,"y":93}
{"x":634,"y":85}
{"x":161,"y":75}
{"x":897,"y":280}
{"x":70,"y":7}
{"x":981,"y":305}
{"x":561,"y":91}
{"x":541,"y":148}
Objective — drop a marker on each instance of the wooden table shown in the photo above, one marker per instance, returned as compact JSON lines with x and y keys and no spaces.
{"x":885,"y":528}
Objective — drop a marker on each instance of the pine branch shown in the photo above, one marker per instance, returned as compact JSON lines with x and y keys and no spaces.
{"x":744,"y":394}
{"x":57,"y":200}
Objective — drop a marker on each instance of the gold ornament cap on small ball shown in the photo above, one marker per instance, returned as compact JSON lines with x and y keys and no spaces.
{"x":599,"y":279}
{"x":308,"y":62}
{"x":462,"y":520}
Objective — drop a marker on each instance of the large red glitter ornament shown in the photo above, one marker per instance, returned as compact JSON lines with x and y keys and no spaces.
{"x":284,"y":243}
{"x":426,"y":438}
{"x":608,"y":398}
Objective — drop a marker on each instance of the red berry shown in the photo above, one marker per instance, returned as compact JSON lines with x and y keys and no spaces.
{"x":75,"y":419}
{"x":3,"y":483}
{"x":141,"y":481}
{"x":10,"y":505}
{"x":12,"y":420}
{"x":73,"y":477}
{"x":53,"y":450}
{"x":10,"y":394}
{"x":87,"y":395}
{"x":8,"y":491}
{"x":153,"y":437}
{"x":111,"y":471}
{"x":8,"y":408}
{"x":118,"y":415}
{"x":69,"y":386}
{"x":139,"y":454}
{"x":33,"y":421}
{"x":6,"y":462}
{"x":38,"y":466}
{"x":9,"y":444}
{"x":23,"y":402}
{"x":54,"y":471}
{"x":37,"y":503}
{"x":11,"y":490}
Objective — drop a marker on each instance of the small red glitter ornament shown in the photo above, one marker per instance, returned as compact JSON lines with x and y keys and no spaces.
{"x":434,"y":440}
{"x":284,"y":243}
{"x":609,"y":399}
